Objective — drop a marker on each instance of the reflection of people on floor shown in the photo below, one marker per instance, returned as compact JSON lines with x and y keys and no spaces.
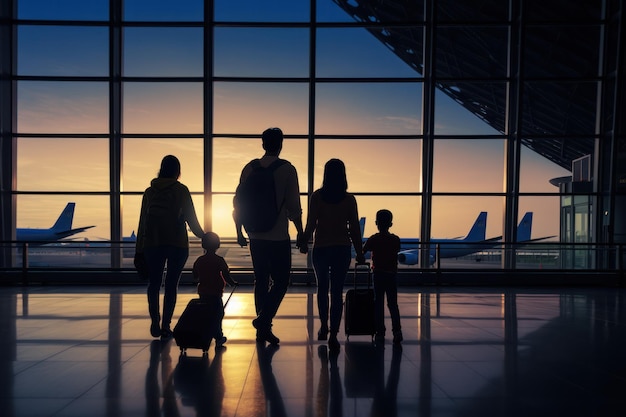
{"x":385,"y":402}
{"x":160,"y":352}
{"x":276,"y":406}
{"x":329,"y":385}
{"x":200,"y":383}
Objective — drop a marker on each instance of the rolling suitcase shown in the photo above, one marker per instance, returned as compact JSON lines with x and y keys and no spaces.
{"x":359,"y":306}
{"x":196,"y":326}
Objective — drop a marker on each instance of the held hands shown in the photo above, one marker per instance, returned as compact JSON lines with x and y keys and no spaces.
{"x":302,"y":243}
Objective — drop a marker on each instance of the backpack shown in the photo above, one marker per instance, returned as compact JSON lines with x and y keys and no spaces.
{"x":163,"y":215}
{"x":255,"y":198}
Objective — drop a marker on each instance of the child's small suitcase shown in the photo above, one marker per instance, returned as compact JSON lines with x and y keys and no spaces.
{"x":197,"y":326}
{"x":359,"y":306}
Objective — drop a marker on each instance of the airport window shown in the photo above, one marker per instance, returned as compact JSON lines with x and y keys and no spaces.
{"x":142,"y":157}
{"x":42,"y":210}
{"x":537,"y":176}
{"x":349,"y":52}
{"x":63,"y":50}
{"x":163,"y":52}
{"x":431,"y":112}
{"x":62,"y":164}
{"x":468,"y":10}
{"x":62,"y":107}
{"x":79,"y":10}
{"x":262,"y":11}
{"x":261,"y":52}
{"x":489,"y":47}
{"x":482,"y":111}
{"x":405,"y":209}
{"x":477,"y":165}
{"x":230,"y":155}
{"x":251,"y":107}
{"x":546,"y":54}
{"x":368,"y":163}
{"x":163,"y":10}
{"x":383,"y":108}
{"x":162,"y":107}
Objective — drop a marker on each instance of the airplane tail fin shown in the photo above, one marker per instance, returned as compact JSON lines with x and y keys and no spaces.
{"x":524,"y":228}
{"x":479,"y":228}
{"x":64,"y":222}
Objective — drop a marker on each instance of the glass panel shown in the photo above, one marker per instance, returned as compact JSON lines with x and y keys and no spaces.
{"x":163,"y":108}
{"x":63,"y":9}
{"x":231,"y":155}
{"x":142,"y":157}
{"x":470,"y":109}
{"x":374,"y":109}
{"x":363,"y":11}
{"x":168,"y":52}
{"x":261,"y":52}
{"x":62,"y":164}
{"x":253,"y":107}
{"x":471,"y":10}
{"x":262,"y":11}
{"x":559,"y":108}
{"x":540,"y":10}
{"x":468,"y":165}
{"x":453,"y":216}
{"x":458,"y":219}
{"x":63,"y":50}
{"x":355,"y":52}
{"x":41,"y":212}
{"x":562,"y":51}
{"x":163,"y":10}
{"x":405,"y":209}
{"x":471,"y":52}
{"x":545,"y":216}
{"x":62,"y":107}
{"x":537,"y":171}
{"x":373,"y":165}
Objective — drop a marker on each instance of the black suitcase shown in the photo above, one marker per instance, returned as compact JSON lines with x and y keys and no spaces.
{"x":196,"y":327}
{"x":359,"y":306}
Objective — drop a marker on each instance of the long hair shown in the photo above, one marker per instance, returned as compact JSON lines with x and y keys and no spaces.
{"x":170,"y":167}
{"x":335,"y":183}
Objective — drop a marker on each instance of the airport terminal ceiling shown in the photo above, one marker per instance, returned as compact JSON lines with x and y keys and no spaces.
{"x":475,"y":52}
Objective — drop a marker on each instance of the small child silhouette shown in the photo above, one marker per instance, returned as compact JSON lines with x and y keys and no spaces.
{"x":385,"y":247}
{"x":211,"y":272}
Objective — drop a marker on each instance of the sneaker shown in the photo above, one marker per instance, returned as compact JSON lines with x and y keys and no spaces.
{"x":219,"y":342}
{"x":397,"y":338}
{"x":264,"y":334}
{"x":155,"y":329}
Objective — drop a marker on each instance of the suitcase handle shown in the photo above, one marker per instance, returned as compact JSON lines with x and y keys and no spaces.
{"x":231,"y":294}
{"x":364,"y":266}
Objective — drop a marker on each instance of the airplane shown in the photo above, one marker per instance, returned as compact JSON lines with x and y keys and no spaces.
{"x":62,"y":228}
{"x":475,"y":241}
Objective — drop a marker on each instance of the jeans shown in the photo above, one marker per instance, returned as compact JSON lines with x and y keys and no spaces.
{"x":271,"y":260}
{"x":156,"y":258}
{"x":385,"y":283}
{"x":331,"y":265}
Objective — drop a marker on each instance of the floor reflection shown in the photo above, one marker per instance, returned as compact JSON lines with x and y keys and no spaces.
{"x":68,"y":352}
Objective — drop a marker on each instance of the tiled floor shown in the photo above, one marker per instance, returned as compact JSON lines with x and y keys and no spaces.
{"x":84,"y":351}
